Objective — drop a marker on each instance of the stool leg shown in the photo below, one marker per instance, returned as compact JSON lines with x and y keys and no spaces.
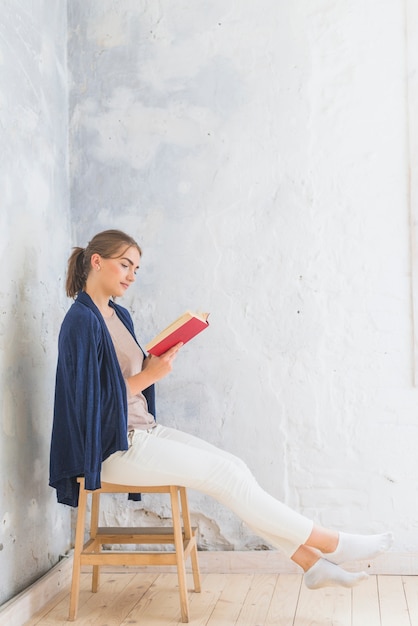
{"x":78,"y":547}
{"x":94,"y":524}
{"x":188,"y":534}
{"x":179,"y":548}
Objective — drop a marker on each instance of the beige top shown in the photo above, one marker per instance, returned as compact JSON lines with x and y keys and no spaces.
{"x":131,"y":358}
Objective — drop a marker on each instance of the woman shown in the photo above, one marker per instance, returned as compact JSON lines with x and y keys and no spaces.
{"x":104,"y":422}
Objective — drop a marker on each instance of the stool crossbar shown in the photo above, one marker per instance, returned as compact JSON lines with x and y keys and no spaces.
{"x":181,"y":535}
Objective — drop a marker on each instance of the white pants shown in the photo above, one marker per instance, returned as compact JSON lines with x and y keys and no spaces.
{"x":165,"y":456}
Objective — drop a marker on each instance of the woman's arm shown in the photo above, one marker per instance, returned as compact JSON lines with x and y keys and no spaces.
{"x":154,"y":368}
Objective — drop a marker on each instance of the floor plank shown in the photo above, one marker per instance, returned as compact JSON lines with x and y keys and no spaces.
{"x":256,"y":604}
{"x":202,"y":604}
{"x":285,"y":599}
{"x":321,"y":607}
{"x":365,"y":606}
{"x":392,"y":600}
{"x":159,"y":605}
{"x":118,"y":601}
{"x":59,"y":613}
{"x":410,"y":584}
{"x":229,"y":605}
{"x":99,"y":606}
{"x":61,"y":598}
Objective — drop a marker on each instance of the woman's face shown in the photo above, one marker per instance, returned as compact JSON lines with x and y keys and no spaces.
{"x":117,"y":274}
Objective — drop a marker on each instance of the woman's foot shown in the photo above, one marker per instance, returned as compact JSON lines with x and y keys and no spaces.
{"x":326,"y":574}
{"x":359,"y":547}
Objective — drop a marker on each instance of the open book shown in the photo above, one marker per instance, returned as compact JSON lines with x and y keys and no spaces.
{"x":182,"y":329}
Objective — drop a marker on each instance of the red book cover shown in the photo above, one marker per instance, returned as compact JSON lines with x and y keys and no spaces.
{"x":183,"y":329}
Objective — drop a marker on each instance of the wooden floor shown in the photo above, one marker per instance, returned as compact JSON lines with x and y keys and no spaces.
{"x":129,"y":597}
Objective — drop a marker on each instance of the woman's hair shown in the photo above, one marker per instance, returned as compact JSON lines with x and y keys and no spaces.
{"x":108,"y":244}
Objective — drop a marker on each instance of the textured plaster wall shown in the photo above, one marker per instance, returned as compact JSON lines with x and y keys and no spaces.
{"x":258,"y":153}
{"x":34,"y":241}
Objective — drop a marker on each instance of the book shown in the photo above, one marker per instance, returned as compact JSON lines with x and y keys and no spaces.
{"x":182,"y":329}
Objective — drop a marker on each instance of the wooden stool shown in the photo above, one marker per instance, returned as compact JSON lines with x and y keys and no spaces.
{"x":181,"y":535}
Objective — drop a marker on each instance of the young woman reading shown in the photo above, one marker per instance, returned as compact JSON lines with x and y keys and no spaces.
{"x":104,"y":422}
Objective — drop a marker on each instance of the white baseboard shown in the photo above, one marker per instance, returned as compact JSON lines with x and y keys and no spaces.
{"x":21,"y":608}
{"x":273,"y":562}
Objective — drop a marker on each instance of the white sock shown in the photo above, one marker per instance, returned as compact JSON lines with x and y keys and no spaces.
{"x":359,"y":547}
{"x":326,"y":574}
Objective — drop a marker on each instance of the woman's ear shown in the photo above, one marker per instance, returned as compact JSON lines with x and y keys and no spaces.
{"x":95,"y":261}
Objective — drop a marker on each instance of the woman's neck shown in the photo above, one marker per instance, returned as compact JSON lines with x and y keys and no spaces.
{"x":100,"y":299}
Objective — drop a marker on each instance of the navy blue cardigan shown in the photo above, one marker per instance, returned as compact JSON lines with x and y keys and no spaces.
{"x":90,"y":411}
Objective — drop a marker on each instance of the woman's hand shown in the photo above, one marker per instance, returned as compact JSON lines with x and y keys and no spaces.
{"x":154,"y":368}
{"x":160,"y":366}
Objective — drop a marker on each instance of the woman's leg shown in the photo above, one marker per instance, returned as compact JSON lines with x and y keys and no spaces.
{"x":336,"y":547}
{"x":168,"y":456}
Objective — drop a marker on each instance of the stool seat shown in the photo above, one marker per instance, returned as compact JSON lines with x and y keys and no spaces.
{"x":181,"y":535}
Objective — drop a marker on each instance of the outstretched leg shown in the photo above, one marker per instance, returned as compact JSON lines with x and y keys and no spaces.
{"x":167,"y":456}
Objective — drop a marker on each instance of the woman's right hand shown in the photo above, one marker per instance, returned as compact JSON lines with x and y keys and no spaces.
{"x":154,"y":368}
{"x":160,"y":366}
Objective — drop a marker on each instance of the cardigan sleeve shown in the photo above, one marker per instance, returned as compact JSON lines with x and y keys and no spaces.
{"x":90,"y":411}
{"x":76,"y":433}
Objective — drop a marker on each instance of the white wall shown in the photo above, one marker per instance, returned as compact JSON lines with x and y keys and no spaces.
{"x":34,"y":242}
{"x":258,"y":153}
